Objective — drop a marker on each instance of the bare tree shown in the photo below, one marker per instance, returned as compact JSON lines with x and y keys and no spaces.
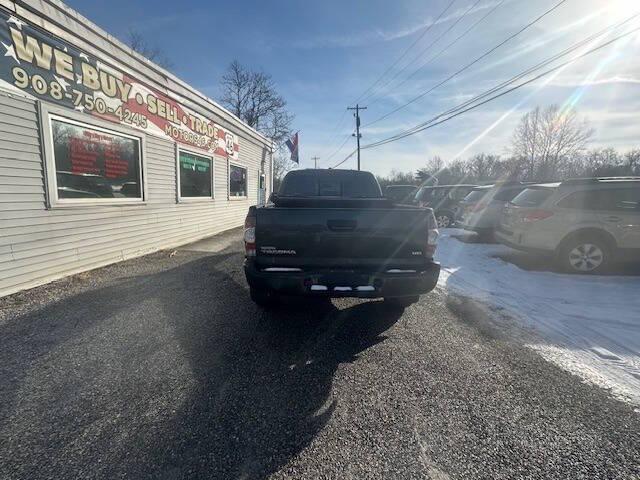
{"x":546,"y":140}
{"x":139,"y":44}
{"x":397,"y":177}
{"x":429,"y":173}
{"x":485,"y":167}
{"x":525,"y":140}
{"x":632,"y":160}
{"x":252,"y":96}
{"x":281,"y":165}
{"x":488,"y":168}
{"x":435,"y":164}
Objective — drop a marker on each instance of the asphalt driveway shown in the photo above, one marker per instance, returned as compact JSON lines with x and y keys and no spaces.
{"x":161,"y":367}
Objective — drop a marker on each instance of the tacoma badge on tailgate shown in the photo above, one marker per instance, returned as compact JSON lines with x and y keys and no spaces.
{"x":275,"y":251}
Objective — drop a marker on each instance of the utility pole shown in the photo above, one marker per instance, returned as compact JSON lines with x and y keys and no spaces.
{"x":357,"y":108}
{"x":315,"y":162}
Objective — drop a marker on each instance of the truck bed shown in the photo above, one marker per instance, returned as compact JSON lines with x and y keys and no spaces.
{"x":364,"y":234}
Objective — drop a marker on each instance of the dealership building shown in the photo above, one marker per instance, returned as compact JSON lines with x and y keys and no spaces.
{"x":105,"y":156}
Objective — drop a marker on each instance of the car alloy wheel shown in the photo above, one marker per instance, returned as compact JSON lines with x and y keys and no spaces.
{"x":443,"y":221}
{"x":586,"y":257}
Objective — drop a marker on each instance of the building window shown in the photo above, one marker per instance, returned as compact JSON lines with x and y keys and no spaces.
{"x":94,"y":164}
{"x":237,"y":181}
{"x":195,"y":175}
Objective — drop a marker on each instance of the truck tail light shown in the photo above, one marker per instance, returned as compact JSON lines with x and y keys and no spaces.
{"x":432,"y":238}
{"x":250,"y":236}
{"x":536,"y":215}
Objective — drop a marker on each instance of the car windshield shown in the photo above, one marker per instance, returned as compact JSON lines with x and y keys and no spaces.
{"x":532,"y":197}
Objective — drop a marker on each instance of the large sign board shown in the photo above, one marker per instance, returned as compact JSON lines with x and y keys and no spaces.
{"x":50,"y":69}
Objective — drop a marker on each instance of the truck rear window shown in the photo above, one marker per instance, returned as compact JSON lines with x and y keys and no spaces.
{"x":532,"y":197}
{"x":346,"y":184}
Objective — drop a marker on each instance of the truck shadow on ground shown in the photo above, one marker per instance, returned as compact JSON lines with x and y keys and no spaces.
{"x":174,"y":375}
{"x":272,"y":384}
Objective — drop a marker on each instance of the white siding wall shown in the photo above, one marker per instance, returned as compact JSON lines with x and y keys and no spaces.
{"x":38,"y":245}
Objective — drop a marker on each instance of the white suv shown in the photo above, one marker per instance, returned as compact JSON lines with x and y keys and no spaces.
{"x":586,"y":223}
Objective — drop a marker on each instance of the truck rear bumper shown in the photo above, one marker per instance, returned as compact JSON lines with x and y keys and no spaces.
{"x":345,"y":283}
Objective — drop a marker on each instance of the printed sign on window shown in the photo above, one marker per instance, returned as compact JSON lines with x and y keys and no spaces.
{"x":95,"y":164}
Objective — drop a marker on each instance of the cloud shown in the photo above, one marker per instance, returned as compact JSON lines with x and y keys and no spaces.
{"x":577,"y":82}
{"x":365,"y":38}
{"x":462,"y":11}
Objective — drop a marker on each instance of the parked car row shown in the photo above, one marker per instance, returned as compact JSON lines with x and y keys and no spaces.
{"x":482,"y":211}
{"x":587,"y":224}
{"x":444,"y":199}
{"x":460,"y":203}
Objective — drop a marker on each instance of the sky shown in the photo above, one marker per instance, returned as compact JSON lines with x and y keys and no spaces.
{"x":324,"y":55}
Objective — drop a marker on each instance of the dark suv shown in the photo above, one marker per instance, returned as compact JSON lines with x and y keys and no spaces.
{"x":444,"y":200}
{"x":483,"y":214}
{"x":586,"y":223}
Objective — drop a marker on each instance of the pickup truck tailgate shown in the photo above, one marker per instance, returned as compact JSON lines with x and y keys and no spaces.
{"x":342,"y":237}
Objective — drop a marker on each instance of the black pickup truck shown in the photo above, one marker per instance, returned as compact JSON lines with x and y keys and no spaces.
{"x":331,"y":233}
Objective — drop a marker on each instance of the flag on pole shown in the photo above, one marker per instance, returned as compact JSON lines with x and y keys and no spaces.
{"x":292,"y":143}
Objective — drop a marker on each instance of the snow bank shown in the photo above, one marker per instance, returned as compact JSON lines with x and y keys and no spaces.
{"x":589,"y":325}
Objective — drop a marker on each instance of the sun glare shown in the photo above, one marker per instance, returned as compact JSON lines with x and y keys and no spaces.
{"x":620,"y":8}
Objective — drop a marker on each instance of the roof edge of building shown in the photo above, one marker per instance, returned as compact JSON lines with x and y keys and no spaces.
{"x":39,"y":7}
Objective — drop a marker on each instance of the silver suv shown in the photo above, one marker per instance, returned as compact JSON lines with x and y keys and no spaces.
{"x":586,"y":223}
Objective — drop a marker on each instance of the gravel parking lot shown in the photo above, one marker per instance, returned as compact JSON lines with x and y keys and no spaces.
{"x":161,"y":367}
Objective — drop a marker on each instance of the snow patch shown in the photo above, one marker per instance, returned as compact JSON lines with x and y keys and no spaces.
{"x":589,"y":325}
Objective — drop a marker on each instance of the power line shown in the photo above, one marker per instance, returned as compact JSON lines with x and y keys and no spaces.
{"x":432,"y":123}
{"x":404,"y":54}
{"x":451,"y":27}
{"x":460,"y":109}
{"x":544,"y":63}
{"x":540,"y":65}
{"x":444,"y":50}
{"x":345,"y":159}
{"x":337,"y":150}
{"x":415,"y":42}
{"x":407,"y":50}
{"x":469,"y":65}
{"x":335,"y":137}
